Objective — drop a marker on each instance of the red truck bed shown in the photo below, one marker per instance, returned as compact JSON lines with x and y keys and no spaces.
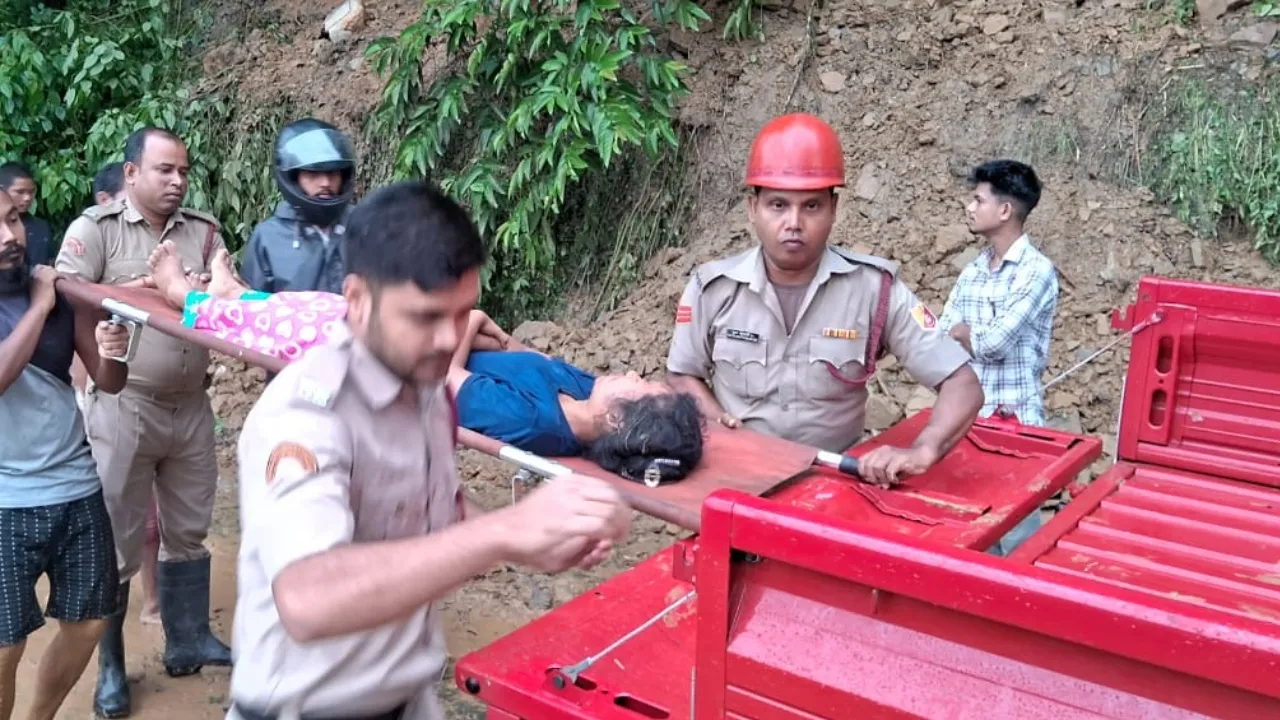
{"x":1152,"y":595}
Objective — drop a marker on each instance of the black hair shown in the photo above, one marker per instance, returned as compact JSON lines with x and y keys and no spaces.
{"x":12,"y":172}
{"x":411,"y":232}
{"x":137,"y":142}
{"x":1011,"y":180}
{"x":110,"y":179}
{"x":662,"y":432}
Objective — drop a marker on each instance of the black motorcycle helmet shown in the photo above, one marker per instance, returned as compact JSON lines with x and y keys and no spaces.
{"x":311,"y":144}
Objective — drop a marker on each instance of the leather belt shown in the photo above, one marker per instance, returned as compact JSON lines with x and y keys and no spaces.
{"x":394,"y":714}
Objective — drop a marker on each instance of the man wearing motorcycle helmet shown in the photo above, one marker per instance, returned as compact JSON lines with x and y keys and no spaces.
{"x":300,"y":246}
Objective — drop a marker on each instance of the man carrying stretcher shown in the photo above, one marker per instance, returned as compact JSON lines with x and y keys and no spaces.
{"x":783,"y":338}
{"x":353,"y":527}
{"x":505,"y":391}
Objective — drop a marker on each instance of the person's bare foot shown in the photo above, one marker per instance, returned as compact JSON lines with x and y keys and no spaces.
{"x":224,"y":282}
{"x":168,"y":275}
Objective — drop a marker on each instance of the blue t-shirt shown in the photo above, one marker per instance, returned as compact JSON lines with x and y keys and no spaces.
{"x":44,"y":455}
{"x":514,"y":397}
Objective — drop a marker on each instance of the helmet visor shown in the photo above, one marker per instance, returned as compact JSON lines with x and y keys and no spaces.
{"x":320,"y":150}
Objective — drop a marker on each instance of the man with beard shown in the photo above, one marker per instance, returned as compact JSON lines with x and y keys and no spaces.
{"x":17,"y":180}
{"x":158,"y":432}
{"x":53,"y":520}
{"x":300,"y":246}
{"x":788,"y":333}
{"x":353,"y":526}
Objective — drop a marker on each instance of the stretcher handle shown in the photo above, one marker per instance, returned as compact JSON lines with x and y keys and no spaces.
{"x":843,"y":463}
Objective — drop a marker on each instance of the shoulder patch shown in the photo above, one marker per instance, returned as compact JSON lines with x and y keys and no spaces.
{"x":290,"y":458}
{"x":198,"y":215}
{"x":860,"y":259}
{"x":924,"y":317}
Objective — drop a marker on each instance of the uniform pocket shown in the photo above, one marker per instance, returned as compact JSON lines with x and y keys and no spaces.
{"x":742,"y":366}
{"x":844,"y":356}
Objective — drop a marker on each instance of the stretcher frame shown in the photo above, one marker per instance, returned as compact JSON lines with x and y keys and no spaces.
{"x":747,"y":461}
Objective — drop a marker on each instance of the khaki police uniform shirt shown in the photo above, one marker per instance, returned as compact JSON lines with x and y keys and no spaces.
{"x":339,"y":450}
{"x":111,"y":246}
{"x":730,"y":332}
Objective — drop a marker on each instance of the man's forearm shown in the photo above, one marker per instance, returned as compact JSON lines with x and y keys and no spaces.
{"x":362,"y":586}
{"x":111,"y":376}
{"x":17,"y":349}
{"x":960,"y":399}
{"x":696,"y":387}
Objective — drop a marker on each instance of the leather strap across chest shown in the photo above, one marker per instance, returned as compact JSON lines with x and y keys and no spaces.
{"x":874,"y":342}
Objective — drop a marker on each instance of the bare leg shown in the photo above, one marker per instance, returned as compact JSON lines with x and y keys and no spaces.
{"x":63,"y":664}
{"x":168,"y":275}
{"x":9,"y":657}
{"x":224,"y":282}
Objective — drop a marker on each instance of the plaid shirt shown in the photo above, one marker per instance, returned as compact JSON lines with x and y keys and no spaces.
{"x":1009,"y":312}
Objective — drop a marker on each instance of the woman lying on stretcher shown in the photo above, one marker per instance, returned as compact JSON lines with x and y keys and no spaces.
{"x":540,"y":404}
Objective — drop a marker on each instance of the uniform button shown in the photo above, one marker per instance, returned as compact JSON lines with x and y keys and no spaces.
{"x":400,"y":508}
{"x":785,"y":407}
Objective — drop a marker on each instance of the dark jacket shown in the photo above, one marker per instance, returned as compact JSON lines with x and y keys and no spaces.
{"x":286,"y":254}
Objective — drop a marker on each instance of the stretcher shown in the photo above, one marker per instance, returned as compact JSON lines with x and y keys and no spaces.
{"x":1021,"y":467}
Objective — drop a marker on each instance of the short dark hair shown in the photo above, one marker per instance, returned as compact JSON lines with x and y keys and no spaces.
{"x":1012,"y":180}
{"x":411,"y":232}
{"x":137,"y":142}
{"x":110,"y":179}
{"x":659,"y":431}
{"x":12,"y":172}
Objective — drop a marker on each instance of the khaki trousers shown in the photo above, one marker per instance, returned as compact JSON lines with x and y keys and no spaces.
{"x":141,"y":439}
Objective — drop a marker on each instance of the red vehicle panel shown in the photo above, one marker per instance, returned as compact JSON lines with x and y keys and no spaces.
{"x":1154,"y":594}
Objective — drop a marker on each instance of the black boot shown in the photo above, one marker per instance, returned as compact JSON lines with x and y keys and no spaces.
{"x":111,"y":696}
{"x":183,"y":588}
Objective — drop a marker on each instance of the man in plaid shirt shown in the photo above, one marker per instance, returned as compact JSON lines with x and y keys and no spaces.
{"x":1002,"y":306}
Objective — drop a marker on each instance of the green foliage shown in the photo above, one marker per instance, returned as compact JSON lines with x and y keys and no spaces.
{"x":1266,"y":8}
{"x":1217,"y":158}
{"x":534,"y":102}
{"x":740,"y":25}
{"x":74,"y":83}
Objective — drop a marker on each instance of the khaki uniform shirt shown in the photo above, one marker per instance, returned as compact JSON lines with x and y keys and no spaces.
{"x":730,"y":332}
{"x":111,"y":245}
{"x":339,"y":450}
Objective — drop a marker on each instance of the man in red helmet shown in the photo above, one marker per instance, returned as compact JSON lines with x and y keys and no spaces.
{"x":782,"y":338}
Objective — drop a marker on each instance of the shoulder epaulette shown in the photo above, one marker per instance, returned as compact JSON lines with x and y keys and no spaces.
{"x":885,"y":264}
{"x":321,"y":374}
{"x":708,"y":272}
{"x":201,"y":216}
{"x":98,"y":213}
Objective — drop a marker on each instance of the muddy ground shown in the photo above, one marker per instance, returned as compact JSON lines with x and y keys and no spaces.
{"x":919,"y":90}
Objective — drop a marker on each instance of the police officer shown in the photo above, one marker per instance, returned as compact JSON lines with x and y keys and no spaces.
{"x":352,"y":521}
{"x":159,"y":429}
{"x":299,"y":247}
{"x":787,"y":334}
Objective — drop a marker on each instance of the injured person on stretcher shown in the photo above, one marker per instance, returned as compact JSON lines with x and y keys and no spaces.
{"x":524,"y":398}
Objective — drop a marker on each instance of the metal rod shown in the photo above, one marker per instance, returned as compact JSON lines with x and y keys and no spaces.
{"x":573,"y":671}
{"x":125,"y":310}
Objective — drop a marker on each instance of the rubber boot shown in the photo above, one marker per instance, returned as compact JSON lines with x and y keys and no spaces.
{"x":111,"y":695}
{"x":183,"y":588}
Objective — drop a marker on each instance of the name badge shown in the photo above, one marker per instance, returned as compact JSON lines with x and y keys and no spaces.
{"x":840,"y":333}
{"x":742,"y":335}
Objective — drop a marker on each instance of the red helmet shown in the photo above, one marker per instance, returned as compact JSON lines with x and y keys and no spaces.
{"x":796,"y":152}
